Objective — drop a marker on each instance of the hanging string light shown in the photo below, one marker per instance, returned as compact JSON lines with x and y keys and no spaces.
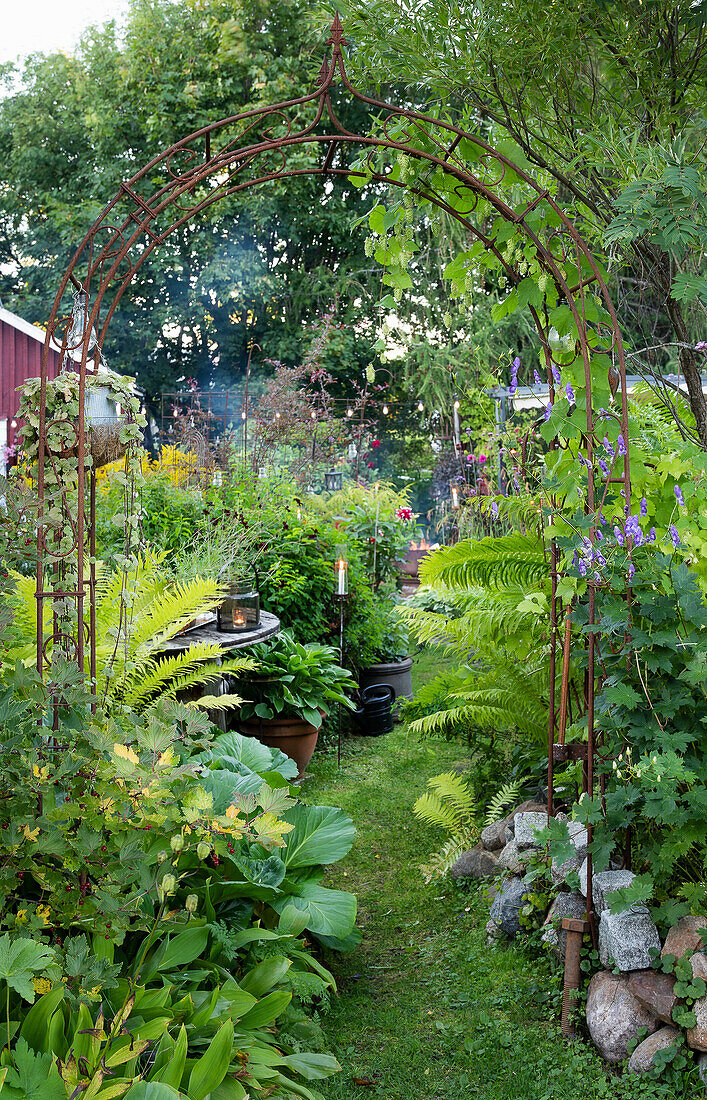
{"x":385,"y":410}
{"x":420,"y":407}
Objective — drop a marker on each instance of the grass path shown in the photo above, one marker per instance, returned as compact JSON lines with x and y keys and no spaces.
{"x":425,"y":1009}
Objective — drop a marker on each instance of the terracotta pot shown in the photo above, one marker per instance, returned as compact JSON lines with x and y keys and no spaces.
{"x":293,"y":736}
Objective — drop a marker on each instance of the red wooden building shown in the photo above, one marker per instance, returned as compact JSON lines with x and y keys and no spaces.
{"x":20,"y":358}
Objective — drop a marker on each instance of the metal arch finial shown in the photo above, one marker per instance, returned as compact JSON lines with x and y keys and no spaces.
{"x":336,"y":36}
{"x":323,"y":77}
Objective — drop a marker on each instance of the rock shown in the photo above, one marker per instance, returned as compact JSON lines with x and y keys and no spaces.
{"x":508,"y":833}
{"x":655,"y":992}
{"x":697,"y":1035}
{"x":614,"y":1016}
{"x":527,"y":825}
{"x":560,"y":871}
{"x":525,"y":807}
{"x":583,"y":877}
{"x":493,"y":931}
{"x":578,"y":835}
{"x":493,"y":837}
{"x":642,"y":1058}
{"x":507,"y":905}
{"x":476,"y":863}
{"x":702,"y":1068}
{"x":684,"y":936}
{"x":625,"y":938}
{"x":603,"y":885}
{"x":511,"y":859}
{"x":564,"y":905}
{"x":699,"y":965}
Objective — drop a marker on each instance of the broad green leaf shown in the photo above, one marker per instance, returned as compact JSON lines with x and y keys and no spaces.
{"x":173,"y":1071}
{"x":266,"y":1011}
{"x":313,"y":1067}
{"x":321,"y":834}
{"x":35,"y":1026}
{"x":329,"y":912}
{"x":266,"y":975}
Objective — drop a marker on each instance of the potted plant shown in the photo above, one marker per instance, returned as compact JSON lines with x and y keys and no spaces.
{"x":389,"y":662}
{"x":294,"y":688}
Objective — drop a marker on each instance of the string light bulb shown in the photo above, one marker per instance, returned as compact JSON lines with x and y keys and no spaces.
{"x":385,"y":410}
{"x":313,"y":415}
{"x":456,"y":404}
{"x":242,"y":416}
{"x":13,"y":423}
{"x":420,"y":407}
{"x":349,"y":412}
{"x":277,"y":416}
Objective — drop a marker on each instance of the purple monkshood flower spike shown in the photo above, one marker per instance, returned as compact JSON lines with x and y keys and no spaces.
{"x":631,"y":571}
{"x":494,"y":509}
{"x":538,"y":380}
{"x":644,"y":506}
{"x":603,"y":466}
{"x":608,"y":448}
{"x":651,"y":535}
{"x":622,"y":446}
{"x":602,"y":518}
{"x":570,"y":393}
{"x":548,"y":412}
{"x":618,"y":535}
{"x":599,"y":535}
{"x":556,"y":374}
{"x":679,"y":497}
{"x":582,"y":568}
{"x":674,"y":535}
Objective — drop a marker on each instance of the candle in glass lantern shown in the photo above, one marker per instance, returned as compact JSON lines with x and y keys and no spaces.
{"x":341,"y":571}
{"x":455,"y":497}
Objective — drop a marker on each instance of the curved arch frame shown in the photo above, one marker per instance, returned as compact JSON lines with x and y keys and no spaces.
{"x":251,"y":149}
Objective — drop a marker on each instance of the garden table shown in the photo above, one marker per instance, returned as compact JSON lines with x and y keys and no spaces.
{"x":209,"y":632}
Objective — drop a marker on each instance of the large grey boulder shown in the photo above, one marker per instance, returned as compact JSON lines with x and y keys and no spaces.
{"x":560,"y":871}
{"x":603,"y":885}
{"x":655,"y":992}
{"x":476,"y":863}
{"x":614,"y":1016}
{"x":625,"y":938}
{"x":493,"y":837}
{"x":512,"y":859}
{"x":564,"y":905}
{"x":642,"y":1058}
{"x":525,"y":807}
{"x":527,"y":825}
{"x":578,"y":834}
{"x":507,"y":904}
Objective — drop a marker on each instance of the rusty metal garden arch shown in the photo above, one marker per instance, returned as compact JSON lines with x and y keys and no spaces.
{"x":251,"y":149}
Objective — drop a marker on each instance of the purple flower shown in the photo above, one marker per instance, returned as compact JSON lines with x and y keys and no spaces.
{"x":701,"y":346}
{"x":548,"y":412}
{"x":651,"y":535}
{"x":582,"y":568}
{"x":602,"y":518}
{"x":622,"y":446}
{"x":679,"y":497}
{"x":602,"y":413}
{"x":515,"y":367}
{"x":599,"y":535}
{"x":631,"y":570}
{"x":603,"y":467}
{"x":538,"y":380}
{"x":619,"y":537}
{"x":674,"y":535}
{"x":494,"y":509}
{"x":570,"y":393}
{"x":556,"y":374}
{"x":608,"y":448}
{"x":598,"y":557}
{"x":644,"y":506}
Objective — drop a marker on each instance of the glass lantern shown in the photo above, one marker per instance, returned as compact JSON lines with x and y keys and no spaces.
{"x":341,"y":572}
{"x":333,"y":481}
{"x":240,"y":609}
{"x":456,"y":497}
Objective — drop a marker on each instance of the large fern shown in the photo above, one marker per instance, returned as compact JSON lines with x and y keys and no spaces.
{"x":133,"y":623}
{"x":449,"y":804}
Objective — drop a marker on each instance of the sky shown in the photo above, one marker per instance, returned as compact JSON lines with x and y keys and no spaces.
{"x":27,"y":26}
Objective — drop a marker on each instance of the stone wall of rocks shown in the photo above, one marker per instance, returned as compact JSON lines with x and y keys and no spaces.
{"x":618,"y":1004}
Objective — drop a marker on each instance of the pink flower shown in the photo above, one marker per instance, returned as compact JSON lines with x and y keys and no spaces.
{"x":471,"y":458}
{"x":404,"y":513}
{"x":482,"y":459}
{"x":376,"y":443}
{"x":370,"y":465}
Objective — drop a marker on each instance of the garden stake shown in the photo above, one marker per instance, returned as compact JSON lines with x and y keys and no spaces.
{"x":574,"y":931}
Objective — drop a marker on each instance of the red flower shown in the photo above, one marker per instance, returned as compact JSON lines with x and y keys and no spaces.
{"x":376,"y":443}
{"x":370,"y":465}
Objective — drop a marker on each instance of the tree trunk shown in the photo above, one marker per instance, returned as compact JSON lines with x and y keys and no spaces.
{"x":690,"y":368}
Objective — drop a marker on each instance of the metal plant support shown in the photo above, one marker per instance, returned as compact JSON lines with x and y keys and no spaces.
{"x":252,"y":149}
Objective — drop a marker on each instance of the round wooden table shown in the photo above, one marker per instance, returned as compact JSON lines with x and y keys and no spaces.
{"x":209,"y":632}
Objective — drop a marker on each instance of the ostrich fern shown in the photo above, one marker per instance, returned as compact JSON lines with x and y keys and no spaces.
{"x":130,"y":665}
{"x":450,"y":804}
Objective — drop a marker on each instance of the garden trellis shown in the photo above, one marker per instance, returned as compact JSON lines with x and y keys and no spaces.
{"x":253,"y":149}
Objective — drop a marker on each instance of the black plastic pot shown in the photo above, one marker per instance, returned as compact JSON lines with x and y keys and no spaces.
{"x":374,"y":717}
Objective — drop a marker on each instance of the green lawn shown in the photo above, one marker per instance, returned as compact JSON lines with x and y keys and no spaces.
{"x":425,"y":1008}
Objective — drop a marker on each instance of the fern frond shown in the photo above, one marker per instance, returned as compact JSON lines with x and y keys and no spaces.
{"x":454,"y":790}
{"x":490,"y":562}
{"x":216,"y":702}
{"x":440,"y":863}
{"x":500,"y":802}
{"x":431,"y":809}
